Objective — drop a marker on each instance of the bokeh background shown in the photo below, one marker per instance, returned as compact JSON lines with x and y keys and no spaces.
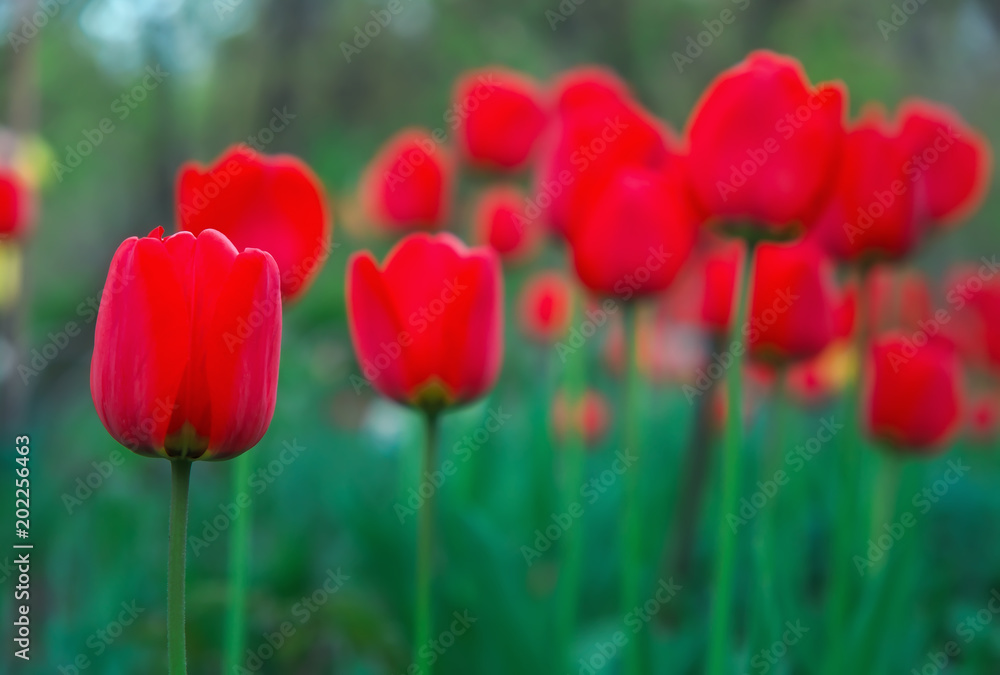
{"x":231,"y":65}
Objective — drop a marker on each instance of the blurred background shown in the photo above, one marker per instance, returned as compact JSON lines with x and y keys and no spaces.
{"x":184,"y":79}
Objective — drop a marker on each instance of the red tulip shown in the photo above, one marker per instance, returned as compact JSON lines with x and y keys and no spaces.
{"x":721,"y":265}
{"x":598,"y":130}
{"x":792,"y":304}
{"x":500,"y":116}
{"x":276,"y":204}
{"x":544,"y":306}
{"x":501,"y":223}
{"x":637,"y":236}
{"x":427,"y":325}
{"x":408,"y":185}
{"x":984,"y":418}
{"x":871,"y":213}
{"x":589,"y":416}
{"x":950,"y":161}
{"x":914,"y":395}
{"x":764,"y":144}
{"x":16,"y":206}
{"x":186,"y":346}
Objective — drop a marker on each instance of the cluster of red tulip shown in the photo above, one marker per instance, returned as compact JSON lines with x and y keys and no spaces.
{"x":187,"y":347}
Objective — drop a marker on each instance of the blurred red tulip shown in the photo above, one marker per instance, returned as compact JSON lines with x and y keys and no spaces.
{"x":500,"y":116}
{"x":427,"y":325}
{"x":949,"y":160}
{"x":598,"y":130}
{"x":17,"y":211}
{"x":186,"y":346}
{"x":500,"y":223}
{"x":408,"y":185}
{"x":589,"y":416}
{"x":983,"y":420}
{"x":637,"y":236}
{"x":764,"y":145}
{"x":544,"y":306}
{"x":913,"y":395}
{"x":793,"y":301}
{"x":870,"y":214}
{"x":276,"y":204}
{"x":721,"y":265}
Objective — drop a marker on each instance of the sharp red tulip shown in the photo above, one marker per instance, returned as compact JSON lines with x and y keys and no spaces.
{"x":427,"y":325}
{"x":764,"y":144}
{"x":272,"y":203}
{"x":948,"y":159}
{"x":637,"y":236}
{"x":500,"y":115}
{"x":186,"y":346}
{"x":913,"y":396}
{"x":408,"y":185}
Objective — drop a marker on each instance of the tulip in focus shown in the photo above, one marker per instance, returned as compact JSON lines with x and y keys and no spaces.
{"x":275,"y":204}
{"x":186,"y":346}
{"x":913,"y":399}
{"x":501,"y":223}
{"x":408,"y":185}
{"x":544,"y":307}
{"x":950,"y":161}
{"x":765,"y":144}
{"x":500,"y":116}
{"x":427,"y":324}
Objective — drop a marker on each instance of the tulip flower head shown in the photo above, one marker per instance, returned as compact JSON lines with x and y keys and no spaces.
{"x":187,"y":345}
{"x":948,"y":159}
{"x":407,"y":186}
{"x":871,"y":214}
{"x":588,"y":416}
{"x":16,"y":206}
{"x":544,"y":307}
{"x":274,"y":203}
{"x":501,"y":223}
{"x":500,"y":116}
{"x":914,"y":393}
{"x":764,"y":145}
{"x":427,"y":324}
{"x":637,"y":236}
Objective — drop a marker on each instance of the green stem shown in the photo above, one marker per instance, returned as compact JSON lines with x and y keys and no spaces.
{"x":574,"y":456}
{"x":848,"y":489}
{"x":239,"y":562}
{"x":632,"y":543}
{"x":725,"y":566}
{"x":180,"y":472}
{"x":425,"y":550}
